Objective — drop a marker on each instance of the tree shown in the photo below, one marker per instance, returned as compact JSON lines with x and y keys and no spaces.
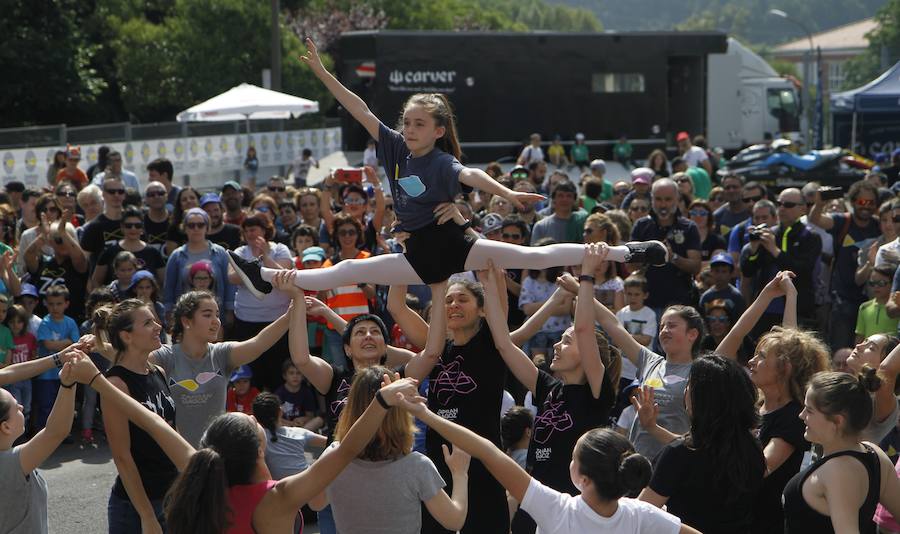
{"x":886,"y":36}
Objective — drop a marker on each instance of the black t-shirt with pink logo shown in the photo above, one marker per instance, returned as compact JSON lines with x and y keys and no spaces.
{"x":336,"y":396}
{"x":565,"y":412}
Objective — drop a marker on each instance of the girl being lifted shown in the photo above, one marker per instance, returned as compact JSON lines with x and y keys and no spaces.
{"x":423,"y":168}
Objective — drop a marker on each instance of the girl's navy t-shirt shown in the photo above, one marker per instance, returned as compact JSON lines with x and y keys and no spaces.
{"x":418,"y":185}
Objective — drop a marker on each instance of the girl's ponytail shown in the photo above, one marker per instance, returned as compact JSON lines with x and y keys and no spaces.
{"x":197,"y":502}
{"x":438,"y":106}
{"x":266,"y":408}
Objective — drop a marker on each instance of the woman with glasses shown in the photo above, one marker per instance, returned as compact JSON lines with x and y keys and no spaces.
{"x":67,"y":194}
{"x":66,"y":265}
{"x":710,"y":238}
{"x":186,"y":199}
{"x":197,"y":247}
{"x":639,"y":207}
{"x":132,"y":230}
{"x":354,"y":201}
{"x":253,"y":315}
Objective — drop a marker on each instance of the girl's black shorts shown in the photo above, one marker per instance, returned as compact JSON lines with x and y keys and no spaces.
{"x":438,"y":251}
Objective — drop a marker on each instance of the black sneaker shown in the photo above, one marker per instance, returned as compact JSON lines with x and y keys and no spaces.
{"x":651,"y":252}
{"x":249,"y":271}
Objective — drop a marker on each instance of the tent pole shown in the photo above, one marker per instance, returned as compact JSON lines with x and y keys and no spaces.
{"x":853,"y":132}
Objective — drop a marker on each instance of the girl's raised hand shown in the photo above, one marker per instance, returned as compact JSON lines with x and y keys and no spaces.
{"x":520,"y":198}
{"x":594,"y":255}
{"x":774,"y":288}
{"x":416,"y":404}
{"x":393,"y":388}
{"x":315,"y":306}
{"x":284,"y":281}
{"x":568,"y":282}
{"x":457,"y":461}
{"x":448,"y":211}
{"x":646,"y":407}
{"x":311,"y":57}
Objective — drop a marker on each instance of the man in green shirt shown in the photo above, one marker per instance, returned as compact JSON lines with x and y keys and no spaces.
{"x":598,"y":169}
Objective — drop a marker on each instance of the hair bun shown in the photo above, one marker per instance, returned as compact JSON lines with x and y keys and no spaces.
{"x":634,"y":472}
{"x":869,"y":379}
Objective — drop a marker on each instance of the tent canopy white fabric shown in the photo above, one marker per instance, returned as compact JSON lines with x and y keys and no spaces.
{"x":248,"y":102}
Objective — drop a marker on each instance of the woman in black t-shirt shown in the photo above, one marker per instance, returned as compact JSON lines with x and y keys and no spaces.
{"x":149,"y":258}
{"x":711,"y":477}
{"x":576,"y":398}
{"x":145,"y":472}
{"x":67,"y":266}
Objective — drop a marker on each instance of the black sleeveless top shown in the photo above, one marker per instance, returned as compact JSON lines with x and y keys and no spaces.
{"x":156,"y":470}
{"x":800,"y":517}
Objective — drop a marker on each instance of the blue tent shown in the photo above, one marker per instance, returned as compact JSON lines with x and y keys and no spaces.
{"x":867,"y":119}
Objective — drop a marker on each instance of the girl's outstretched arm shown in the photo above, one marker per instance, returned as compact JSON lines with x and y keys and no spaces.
{"x":347,"y":98}
{"x":482,"y":181}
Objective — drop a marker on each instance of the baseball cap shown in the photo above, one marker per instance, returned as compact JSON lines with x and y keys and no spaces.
{"x":210,"y":198}
{"x":491,"y":223}
{"x":683,"y":136}
{"x":722,"y":258}
{"x":241,"y":372}
{"x":138,"y":276}
{"x":28,"y":290}
{"x":15,"y":186}
{"x":313,"y":254}
{"x":579,"y":136}
{"x":232,"y":184}
{"x":599,"y":165}
{"x":518,"y":170}
{"x":642,"y":175}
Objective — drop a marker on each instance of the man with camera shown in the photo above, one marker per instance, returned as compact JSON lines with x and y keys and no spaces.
{"x":671,"y":283}
{"x":786,"y":246}
{"x":851,"y":232}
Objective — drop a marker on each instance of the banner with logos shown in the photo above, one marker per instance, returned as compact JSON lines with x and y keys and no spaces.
{"x":206,"y":161}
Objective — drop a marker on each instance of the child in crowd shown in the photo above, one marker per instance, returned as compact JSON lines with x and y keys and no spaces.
{"x":640,"y":321}
{"x":24,"y":349}
{"x":537,"y":287}
{"x":241,"y":393}
{"x":201,"y":277}
{"x":721,"y":268}
{"x":145,"y":288}
{"x":313,"y":257}
{"x":626,"y":418}
{"x":302,"y":165}
{"x":6,"y":338}
{"x":29,"y":299}
{"x":398,"y":338}
{"x":557,"y":153}
{"x":57,"y":331}
{"x":873,"y":318}
{"x":299,"y":405}
{"x":125,"y":265}
{"x":302,"y":238}
{"x":516,"y":427}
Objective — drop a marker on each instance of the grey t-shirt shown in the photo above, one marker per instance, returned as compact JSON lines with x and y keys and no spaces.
{"x":362,"y":506}
{"x":551,"y":226}
{"x":875,"y":431}
{"x":668,"y":381}
{"x":287,"y":455}
{"x":23,"y":506}
{"x":199,"y":387}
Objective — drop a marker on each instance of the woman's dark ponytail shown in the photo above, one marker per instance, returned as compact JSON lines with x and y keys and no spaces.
{"x":609,"y":460}
{"x":197,"y":503}
{"x":634,"y":473}
{"x":266,"y":410}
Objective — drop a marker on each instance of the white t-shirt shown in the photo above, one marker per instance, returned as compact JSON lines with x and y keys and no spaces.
{"x":560,"y":513}
{"x":370,"y":158}
{"x":275,"y":304}
{"x":626,"y":418}
{"x":694,"y":156}
{"x":531,"y":154}
{"x":642,"y":322}
{"x":888,"y":254}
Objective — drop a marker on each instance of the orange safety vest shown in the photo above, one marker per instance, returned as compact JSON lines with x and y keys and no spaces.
{"x":347,"y":301}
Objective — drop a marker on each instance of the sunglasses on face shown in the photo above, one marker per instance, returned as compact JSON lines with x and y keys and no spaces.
{"x":786,"y":204}
{"x":620,"y":192}
{"x":751,"y":200}
{"x":276,"y":189}
{"x":699,"y":213}
{"x":864,"y":203}
{"x":877,"y":283}
{"x":519,"y":175}
{"x":195,"y":225}
{"x":511,"y":236}
{"x":263,"y":209}
{"x":154,"y":194}
{"x":347,"y":233}
{"x":68,"y":194}
{"x":682,"y":181}
{"x":133,"y":225}
{"x":717,"y":319}
{"x":114,"y":191}
{"x":354,"y":201}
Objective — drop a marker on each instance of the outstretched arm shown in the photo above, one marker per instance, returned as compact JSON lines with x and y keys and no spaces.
{"x":315,"y":369}
{"x":421,"y":365}
{"x":732,"y":342}
{"x":352,"y":103}
{"x":520,"y":365}
{"x":482,"y":181}
{"x":559,"y":303}
{"x":33,"y":452}
{"x":244,"y":352}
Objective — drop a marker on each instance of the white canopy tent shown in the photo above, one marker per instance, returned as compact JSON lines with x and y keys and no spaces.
{"x":248,"y":102}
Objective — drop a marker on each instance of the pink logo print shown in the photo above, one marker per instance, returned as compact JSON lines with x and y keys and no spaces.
{"x":549,"y":421}
{"x":452,"y":381}
{"x":338,"y":405}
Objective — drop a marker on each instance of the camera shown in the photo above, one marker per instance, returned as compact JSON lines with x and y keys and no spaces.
{"x":831,"y":193}
{"x":348,"y":175}
{"x":754,"y":233}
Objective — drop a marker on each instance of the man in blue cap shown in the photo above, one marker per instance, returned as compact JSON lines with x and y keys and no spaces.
{"x":228,"y":236}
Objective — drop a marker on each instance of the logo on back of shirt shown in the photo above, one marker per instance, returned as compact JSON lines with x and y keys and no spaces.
{"x":452,"y":381}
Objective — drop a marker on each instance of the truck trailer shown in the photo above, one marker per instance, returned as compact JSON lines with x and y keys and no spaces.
{"x":647,"y":86}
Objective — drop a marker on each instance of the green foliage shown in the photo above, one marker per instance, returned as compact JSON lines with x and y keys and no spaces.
{"x":868,"y":66}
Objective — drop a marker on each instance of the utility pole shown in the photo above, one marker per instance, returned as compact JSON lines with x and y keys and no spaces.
{"x":276,"y":47}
